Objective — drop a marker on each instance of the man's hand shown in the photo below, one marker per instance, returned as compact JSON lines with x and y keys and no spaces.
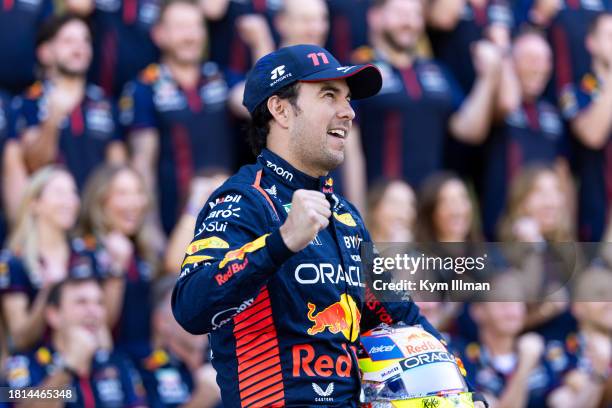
{"x":526,"y":229}
{"x":487,"y":58}
{"x":81,"y":345}
{"x":61,"y":101}
{"x":120,"y":250}
{"x":530,"y":348}
{"x":309,"y":214}
{"x":543,"y":11}
{"x":253,"y":29}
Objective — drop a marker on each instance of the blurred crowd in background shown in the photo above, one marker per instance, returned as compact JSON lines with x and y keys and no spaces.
{"x":118,"y":118}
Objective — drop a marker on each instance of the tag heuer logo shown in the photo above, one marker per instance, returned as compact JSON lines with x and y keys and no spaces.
{"x":277,"y":72}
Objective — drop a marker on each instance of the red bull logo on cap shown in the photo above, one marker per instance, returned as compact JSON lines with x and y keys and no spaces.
{"x":340,"y":317}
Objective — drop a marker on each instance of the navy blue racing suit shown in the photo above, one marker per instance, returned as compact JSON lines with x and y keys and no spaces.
{"x":283,"y":327}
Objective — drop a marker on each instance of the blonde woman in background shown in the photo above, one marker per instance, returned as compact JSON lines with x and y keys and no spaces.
{"x":537,"y":226}
{"x":40,"y":253}
{"x":112,"y":223}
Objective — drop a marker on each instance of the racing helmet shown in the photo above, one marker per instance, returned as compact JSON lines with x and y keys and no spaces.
{"x":407,"y":367}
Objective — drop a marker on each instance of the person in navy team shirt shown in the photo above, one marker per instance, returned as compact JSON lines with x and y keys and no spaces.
{"x":517,"y":370}
{"x":403,"y":128}
{"x":19,"y":22}
{"x":240,"y":31}
{"x":349,"y":27}
{"x":567,"y":24}
{"x":174,"y":371}
{"x":113,"y":226}
{"x":122,"y":44}
{"x":453,"y":28}
{"x":177,"y":111}
{"x":301,"y":22}
{"x":40,"y":253}
{"x":6,"y":130}
{"x":79,"y":353}
{"x":64,"y":119}
{"x":587,"y":105}
{"x":592,"y":307}
{"x":453,"y":25}
{"x":532,"y":132}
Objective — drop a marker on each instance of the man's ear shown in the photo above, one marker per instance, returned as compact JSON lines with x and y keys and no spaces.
{"x":43,"y":54}
{"x":157,"y":35}
{"x":476,"y":312}
{"x":280,"y":23}
{"x":52,"y":317}
{"x":589,"y":43}
{"x":280,"y":110}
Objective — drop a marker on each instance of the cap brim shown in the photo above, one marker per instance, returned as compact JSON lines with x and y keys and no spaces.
{"x":363,"y":80}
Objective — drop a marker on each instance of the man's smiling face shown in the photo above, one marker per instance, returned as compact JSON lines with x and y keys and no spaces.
{"x":321,"y":123}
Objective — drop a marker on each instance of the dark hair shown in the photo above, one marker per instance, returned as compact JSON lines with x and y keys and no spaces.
{"x":529,"y":29}
{"x":375,"y":196}
{"x":382,"y":3}
{"x":378,"y":3}
{"x":169,"y":3}
{"x":428,"y":199}
{"x":51,"y":26}
{"x":259,"y":126}
{"x":594,"y":25}
{"x":55,"y":294}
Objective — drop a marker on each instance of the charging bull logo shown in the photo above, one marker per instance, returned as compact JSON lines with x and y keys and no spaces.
{"x":240,"y":253}
{"x":329,"y":185}
{"x":340,"y":317}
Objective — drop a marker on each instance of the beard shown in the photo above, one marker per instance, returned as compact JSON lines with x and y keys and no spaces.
{"x":180,"y":59}
{"x":316,"y":154}
{"x":66,"y":71}
{"x":389,"y":39}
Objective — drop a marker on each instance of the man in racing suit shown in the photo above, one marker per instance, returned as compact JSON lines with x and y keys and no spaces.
{"x":274,"y":271}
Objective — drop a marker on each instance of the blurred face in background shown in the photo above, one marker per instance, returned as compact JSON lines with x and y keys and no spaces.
{"x":69,"y":52}
{"x":533,"y":64}
{"x":599,"y":42}
{"x":303,"y":22}
{"x":597,"y":315}
{"x":545,"y":202}
{"x":452,"y":217}
{"x":58,"y":203}
{"x":401,"y":23}
{"x":393,"y":218}
{"x":432,"y":311}
{"x":81,"y":304}
{"x":593,"y":308}
{"x":180,"y":33}
{"x":188,"y":347}
{"x":126,"y":203}
{"x":500,"y":318}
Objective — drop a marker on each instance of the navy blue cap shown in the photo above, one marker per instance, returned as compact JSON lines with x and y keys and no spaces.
{"x":306,"y":63}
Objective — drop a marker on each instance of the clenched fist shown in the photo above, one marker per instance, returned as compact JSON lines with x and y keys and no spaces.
{"x":309,"y":214}
{"x":487,"y":57}
{"x":530,"y":349}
